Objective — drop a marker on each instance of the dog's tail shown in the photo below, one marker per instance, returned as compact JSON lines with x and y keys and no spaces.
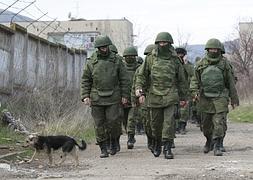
{"x":83,"y":146}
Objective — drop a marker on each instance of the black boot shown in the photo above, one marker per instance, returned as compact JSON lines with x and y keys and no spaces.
{"x":217,"y":147}
{"x":182,"y":128}
{"x":167,"y":150}
{"x":103,"y":148}
{"x":150,"y":143}
{"x":131,"y":141}
{"x":208,"y":145}
{"x":157,"y":148}
{"x":118,"y":144}
{"x":222,"y":147}
{"x":113,"y":147}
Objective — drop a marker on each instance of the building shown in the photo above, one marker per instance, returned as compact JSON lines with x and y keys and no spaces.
{"x":81,"y":33}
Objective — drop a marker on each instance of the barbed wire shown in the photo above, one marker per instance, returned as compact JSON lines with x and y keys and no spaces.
{"x":54,"y":28}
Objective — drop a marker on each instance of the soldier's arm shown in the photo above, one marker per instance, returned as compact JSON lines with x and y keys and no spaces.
{"x":182,"y":82}
{"x":143,"y":74}
{"x":230,"y":85}
{"x":194,"y":85}
{"x":86,"y":81}
{"x":124,"y":81}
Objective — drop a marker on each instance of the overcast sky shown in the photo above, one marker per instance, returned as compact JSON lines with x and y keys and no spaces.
{"x":199,"y":20}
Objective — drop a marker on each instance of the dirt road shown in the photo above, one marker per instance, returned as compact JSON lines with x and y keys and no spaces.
{"x":189,"y":163}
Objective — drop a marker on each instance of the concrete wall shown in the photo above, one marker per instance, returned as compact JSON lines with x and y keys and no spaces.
{"x":28,"y":61}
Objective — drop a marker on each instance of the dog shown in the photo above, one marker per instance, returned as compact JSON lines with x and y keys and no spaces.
{"x":51,"y":143}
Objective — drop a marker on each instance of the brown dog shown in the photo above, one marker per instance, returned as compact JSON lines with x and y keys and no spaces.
{"x":49,"y":143}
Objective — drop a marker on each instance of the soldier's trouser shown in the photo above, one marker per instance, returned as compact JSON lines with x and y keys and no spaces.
{"x":106,"y":121}
{"x":131,"y":122}
{"x":125,"y":119}
{"x":163,"y":123}
{"x":214,"y":124}
{"x":146,"y":120}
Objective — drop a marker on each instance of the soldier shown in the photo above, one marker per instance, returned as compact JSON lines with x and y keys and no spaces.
{"x":130,"y":113}
{"x":114,"y":49}
{"x":188,"y":71}
{"x":104,"y":86}
{"x":235,"y":78}
{"x":195,"y":110}
{"x":213,"y":85}
{"x":163,"y":76}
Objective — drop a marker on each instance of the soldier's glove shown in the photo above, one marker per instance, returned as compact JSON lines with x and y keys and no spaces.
{"x":87,"y":101}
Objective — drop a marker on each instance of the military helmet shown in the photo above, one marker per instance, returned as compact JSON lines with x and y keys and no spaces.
{"x":222,"y":49}
{"x":164,"y":36}
{"x":213,"y":44}
{"x":149,"y":49}
{"x":181,"y":50}
{"x":130,"y":51}
{"x":113,"y":48}
{"x":139,"y":60}
{"x":102,"y":41}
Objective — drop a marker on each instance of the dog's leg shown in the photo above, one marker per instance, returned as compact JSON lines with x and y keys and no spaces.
{"x":32,"y":156}
{"x":50,"y":157}
{"x":63,"y":158}
{"x":75,"y":155}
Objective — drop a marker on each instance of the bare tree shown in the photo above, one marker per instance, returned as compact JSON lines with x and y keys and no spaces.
{"x":241,"y":57}
{"x":183,"y":39}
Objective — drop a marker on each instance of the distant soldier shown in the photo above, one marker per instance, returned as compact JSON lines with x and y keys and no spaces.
{"x":163,"y":75}
{"x":130,"y":112}
{"x":188,"y":72}
{"x":195,"y":109}
{"x":213,"y":85}
{"x":143,"y":108}
{"x":104,"y":86}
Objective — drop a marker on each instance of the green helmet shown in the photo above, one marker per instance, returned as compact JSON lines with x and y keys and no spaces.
{"x":102,"y":41}
{"x":222,"y":49}
{"x":130,"y":51}
{"x":181,"y":50}
{"x":149,"y":49}
{"x":213,"y":44}
{"x":113,"y":48}
{"x":164,"y":36}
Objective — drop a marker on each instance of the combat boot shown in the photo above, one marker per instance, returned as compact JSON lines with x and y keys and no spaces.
{"x":167,"y":150}
{"x":157,"y":148}
{"x":131,"y":141}
{"x":217,"y":147}
{"x":182,"y":128}
{"x":208,"y":145}
{"x":103,"y":148}
{"x":118,"y":144}
{"x":150,"y":143}
{"x":222,"y":147}
{"x":113,"y":147}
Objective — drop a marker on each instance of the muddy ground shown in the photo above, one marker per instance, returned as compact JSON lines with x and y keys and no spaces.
{"x":189,"y":163}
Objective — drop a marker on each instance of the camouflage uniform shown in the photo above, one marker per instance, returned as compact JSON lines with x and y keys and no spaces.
{"x":163,"y":74}
{"x":130,"y":112}
{"x":185,"y":108}
{"x":104,"y":83}
{"x":214,"y":84}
